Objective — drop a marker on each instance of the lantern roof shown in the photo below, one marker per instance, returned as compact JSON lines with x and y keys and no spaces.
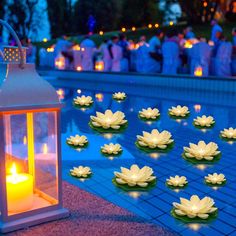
{"x":24,"y":88}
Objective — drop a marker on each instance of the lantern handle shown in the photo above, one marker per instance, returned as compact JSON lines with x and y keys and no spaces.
{"x":14,"y":35}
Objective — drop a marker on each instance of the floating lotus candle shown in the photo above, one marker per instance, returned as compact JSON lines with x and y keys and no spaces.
{"x":228,"y":133}
{"x":149,"y":114}
{"x":179,"y":111}
{"x":120,"y":96}
{"x":81,"y":172}
{"x":177,"y":181}
{"x":215,"y":179}
{"x":195,"y":208}
{"x":83,"y":101}
{"x":108,"y":121}
{"x":204,"y":121}
{"x":111,"y":149}
{"x":202,"y":151}
{"x":77,"y":141}
{"x":155,"y":140}
{"x":135,"y":176}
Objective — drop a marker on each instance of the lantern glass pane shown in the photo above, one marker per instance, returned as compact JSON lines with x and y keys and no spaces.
{"x":31,"y":161}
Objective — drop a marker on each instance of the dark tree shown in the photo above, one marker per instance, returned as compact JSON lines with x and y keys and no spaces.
{"x":60,"y":13}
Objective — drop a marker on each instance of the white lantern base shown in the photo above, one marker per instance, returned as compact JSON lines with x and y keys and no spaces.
{"x":33,"y":220}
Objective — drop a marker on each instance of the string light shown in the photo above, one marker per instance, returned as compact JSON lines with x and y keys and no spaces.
{"x":156,"y":25}
{"x":150,"y":26}
{"x":123,"y":29}
{"x":133,"y":28}
{"x":101,"y":32}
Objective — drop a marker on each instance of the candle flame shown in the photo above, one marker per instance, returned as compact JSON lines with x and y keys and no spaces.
{"x":198,"y":71}
{"x":45,"y":148}
{"x":24,"y":140}
{"x":79,"y":68}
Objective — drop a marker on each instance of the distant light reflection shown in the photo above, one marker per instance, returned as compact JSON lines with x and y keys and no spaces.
{"x":197,"y":108}
{"x":154,"y":155}
{"x":99,"y":97}
{"x":201,"y":166}
{"x":194,"y":226}
{"x":61,"y":94}
{"x":108,"y":136}
{"x":134,"y":194}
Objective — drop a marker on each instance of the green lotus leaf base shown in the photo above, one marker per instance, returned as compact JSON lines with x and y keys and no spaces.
{"x":127,"y":188}
{"x":152,"y":120}
{"x":179,"y":117}
{"x":151,"y":150}
{"x":111,"y":155}
{"x":227,"y":139}
{"x":79,"y":106}
{"x":88,"y":176}
{"x":110,"y":130}
{"x":186,"y":219}
{"x":203,"y":127}
{"x":195,"y":161}
{"x":176,"y":187}
{"x":119,"y":100}
{"x":215,"y":185}
{"x":76,"y":147}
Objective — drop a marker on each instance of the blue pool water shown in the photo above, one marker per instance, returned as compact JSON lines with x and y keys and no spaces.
{"x":156,"y":204}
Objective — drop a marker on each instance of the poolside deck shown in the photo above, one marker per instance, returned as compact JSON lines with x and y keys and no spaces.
{"x":91,"y":215}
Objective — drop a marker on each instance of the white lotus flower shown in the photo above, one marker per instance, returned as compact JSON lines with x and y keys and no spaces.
{"x":195,"y":207}
{"x":149,"y":113}
{"x":83,"y":100}
{"x":155,"y":139}
{"x":111,"y":149}
{"x":202,"y":151}
{"x":204,"y":121}
{"x":119,"y":96}
{"x":135,"y":176}
{"x":81,"y":172}
{"x":215,"y":178}
{"x":228,"y":133}
{"x":108,"y":119}
{"x":77,"y":140}
{"x":179,"y":111}
{"x":177,"y":181}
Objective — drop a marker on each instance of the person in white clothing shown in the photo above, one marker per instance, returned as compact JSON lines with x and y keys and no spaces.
{"x":116,"y":54}
{"x":105,"y":55}
{"x":88,"y":48}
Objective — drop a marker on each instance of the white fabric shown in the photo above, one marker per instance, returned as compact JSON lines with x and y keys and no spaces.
{"x":170,"y":51}
{"x":46,"y":58}
{"x":62,"y":45}
{"x":142,"y":61}
{"x":200,"y":55}
{"x":234,"y":66}
{"x":77,"y":58}
{"x":222,"y":61}
{"x":87,"y":58}
{"x":106,"y":57}
{"x":117,"y":57}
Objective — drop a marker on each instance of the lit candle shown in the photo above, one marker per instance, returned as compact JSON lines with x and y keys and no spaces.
{"x":19,"y":191}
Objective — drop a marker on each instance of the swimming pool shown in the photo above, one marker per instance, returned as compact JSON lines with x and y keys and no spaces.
{"x":156,"y":204}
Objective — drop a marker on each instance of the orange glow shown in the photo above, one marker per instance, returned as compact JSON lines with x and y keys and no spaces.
{"x":123,"y":29}
{"x":198,"y":71}
{"x":150,"y":26}
{"x":188,"y":44}
{"x":156,"y":25}
{"x":101,"y":32}
{"x":76,"y":47}
{"x":133,"y":29}
{"x":45,"y":148}
{"x":60,"y":63}
{"x":50,"y":49}
{"x":61,"y":93}
{"x":13,"y":170}
{"x":79,"y":68}
{"x":171,"y":23}
{"x":99,"y":97}
{"x":205,"y":4}
{"x":197,"y":107}
{"x":99,"y":66}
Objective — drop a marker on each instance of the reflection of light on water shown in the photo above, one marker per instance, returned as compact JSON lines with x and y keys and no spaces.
{"x":197,"y":107}
{"x":79,"y":91}
{"x":24,"y":140}
{"x":194,"y":226}
{"x":111,"y":158}
{"x":230,"y":142}
{"x":83,"y":109}
{"x":78,"y":149}
{"x":204,"y":130}
{"x":201,"y":167}
{"x":61,"y":94}
{"x":108,"y":136}
{"x":154,"y":155}
{"x":176,"y":190}
{"x":134,"y":194}
{"x":99,"y":97}
{"x":215,"y":188}
{"x":185,"y":123}
{"x":178,"y":120}
{"x":82,"y":179}
{"x":131,"y":109}
{"x":148,"y":122}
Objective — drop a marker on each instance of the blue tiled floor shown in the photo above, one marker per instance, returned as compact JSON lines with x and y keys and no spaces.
{"x":156,"y":204}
